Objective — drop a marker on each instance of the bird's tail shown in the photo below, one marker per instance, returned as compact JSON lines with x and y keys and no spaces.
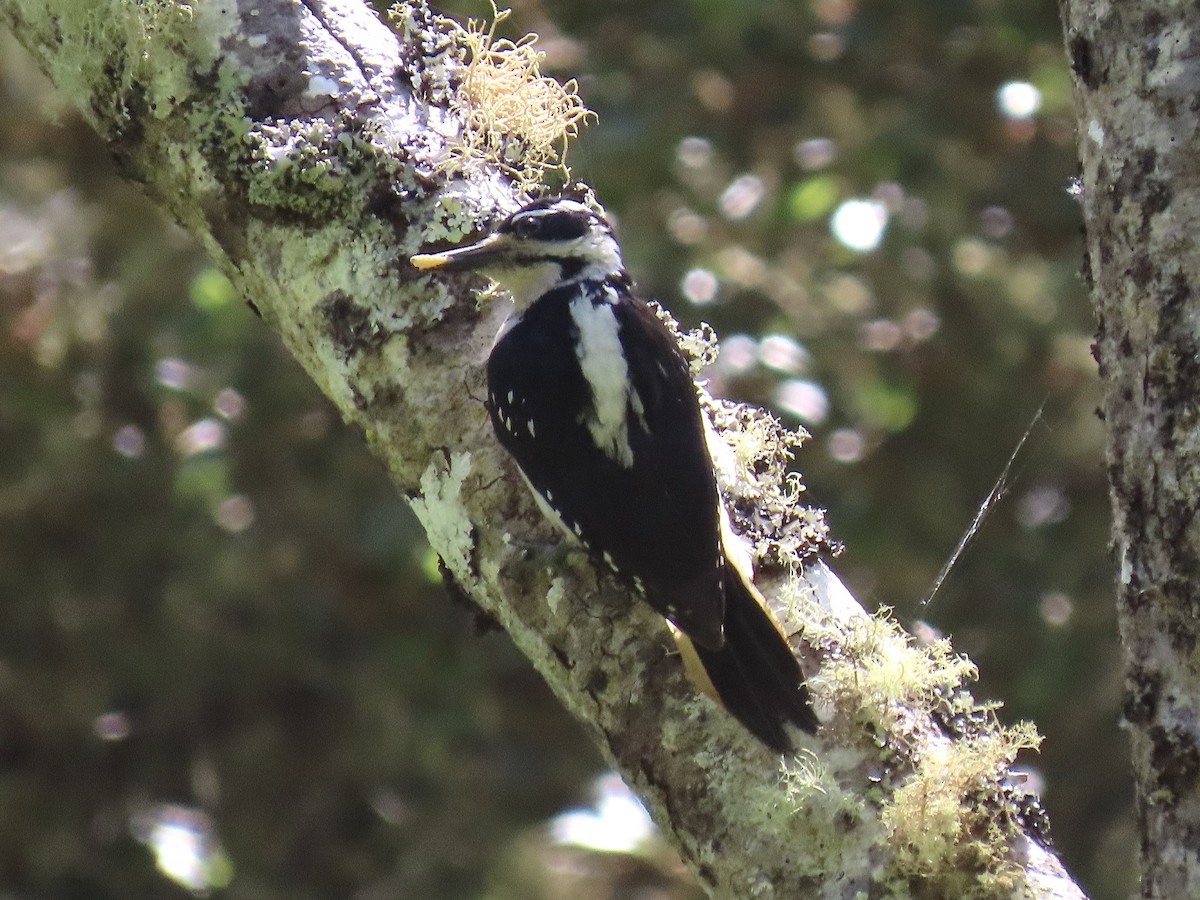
{"x":755,"y":676}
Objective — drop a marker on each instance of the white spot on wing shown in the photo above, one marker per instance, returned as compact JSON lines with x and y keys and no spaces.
{"x":603,"y":362}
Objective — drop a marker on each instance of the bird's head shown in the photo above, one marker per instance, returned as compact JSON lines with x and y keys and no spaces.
{"x":541,"y":245}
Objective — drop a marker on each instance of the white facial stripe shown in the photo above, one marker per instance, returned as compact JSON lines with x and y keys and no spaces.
{"x":602,"y":253}
{"x":604,"y":366}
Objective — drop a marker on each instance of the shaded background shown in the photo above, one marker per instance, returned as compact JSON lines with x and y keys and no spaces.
{"x":219,"y":623}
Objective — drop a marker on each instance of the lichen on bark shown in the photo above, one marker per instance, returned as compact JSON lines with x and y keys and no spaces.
{"x":1136,"y":70}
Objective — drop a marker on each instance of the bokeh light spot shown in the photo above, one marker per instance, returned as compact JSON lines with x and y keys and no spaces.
{"x":1018,"y":100}
{"x":229,"y":404}
{"x":741,"y":197}
{"x":111,"y":726}
{"x":687,"y":226}
{"x":200,"y":437}
{"x":813,"y":198}
{"x":996,"y":222}
{"x":211,"y":290}
{"x":815,"y":153}
{"x":617,"y":822}
{"x":1045,"y":504}
{"x":713,"y":90}
{"x":805,"y":400}
{"x":783,"y":354}
{"x":700,"y":286}
{"x":185,"y":846}
{"x":921,"y":324}
{"x":846,"y":445}
{"x":129,"y":441}
{"x":235,"y":514}
{"x":173,"y":373}
{"x":1056,"y":609}
{"x":739,"y":354}
{"x":694,"y":153}
{"x":891,"y":407}
{"x":881,"y":335}
{"x":972,"y":256}
{"x":825,"y":46}
{"x":859,"y":224}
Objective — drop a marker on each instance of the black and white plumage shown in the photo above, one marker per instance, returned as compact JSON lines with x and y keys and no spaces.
{"x":590,"y":393}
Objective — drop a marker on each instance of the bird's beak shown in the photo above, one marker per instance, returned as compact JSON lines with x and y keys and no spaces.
{"x":472,"y":256}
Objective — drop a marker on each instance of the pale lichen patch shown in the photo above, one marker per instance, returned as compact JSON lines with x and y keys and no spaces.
{"x":308,"y":168}
{"x":441,"y":509}
{"x":452,"y":218}
{"x":555,"y":595}
{"x":366,"y":318}
{"x":216,"y":21}
{"x":813,"y":797}
{"x":129,"y":60}
{"x":395,"y":356}
{"x":806,"y":778}
{"x":489,"y":573}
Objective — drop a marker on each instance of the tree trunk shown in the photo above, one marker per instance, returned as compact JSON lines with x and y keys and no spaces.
{"x":1137,"y":80}
{"x":306,"y":145}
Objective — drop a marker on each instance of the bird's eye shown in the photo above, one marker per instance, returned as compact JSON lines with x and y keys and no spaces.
{"x":526,"y":227}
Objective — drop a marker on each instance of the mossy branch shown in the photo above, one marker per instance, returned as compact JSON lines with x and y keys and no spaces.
{"x":313,"y":149}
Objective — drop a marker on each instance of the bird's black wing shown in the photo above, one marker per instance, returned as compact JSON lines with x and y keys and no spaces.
{"x":655,"y":520}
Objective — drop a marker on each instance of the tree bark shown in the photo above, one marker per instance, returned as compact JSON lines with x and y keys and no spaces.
{"x":304,"y":143}
{"x":1136,"y":66}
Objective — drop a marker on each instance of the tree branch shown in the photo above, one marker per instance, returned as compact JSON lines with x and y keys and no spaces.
{"x":1137,"y":72}
{"x":306,"y":145}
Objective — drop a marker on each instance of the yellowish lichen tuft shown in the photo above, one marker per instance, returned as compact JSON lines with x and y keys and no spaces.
{"x":875,"y":671}
{"x":951,"y":815}
{"x":950,"y":826}
{"x":806,"y":778}
{"x":513,"y":116}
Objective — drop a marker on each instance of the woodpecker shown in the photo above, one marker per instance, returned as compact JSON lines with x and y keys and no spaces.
{"x":591,"y":394}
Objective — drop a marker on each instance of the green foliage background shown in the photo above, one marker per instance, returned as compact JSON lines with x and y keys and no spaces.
{"x":242,"y":617}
